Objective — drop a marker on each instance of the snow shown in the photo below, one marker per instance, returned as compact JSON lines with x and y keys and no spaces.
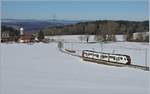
{"x":75,"y":38}
{"x":139,"y":52}
{"x":43,"y":69}
{"x":136,"y":51}
{"x":120,"y":38}
{"x":71,"y":38}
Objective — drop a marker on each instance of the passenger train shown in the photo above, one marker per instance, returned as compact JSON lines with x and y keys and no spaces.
{"x":108,"y":57}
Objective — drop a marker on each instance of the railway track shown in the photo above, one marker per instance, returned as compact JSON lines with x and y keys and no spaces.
{"x":108,"y":63}
{"x":117,"y":64}
{"x":138,"y":67}
{"x":145,"y":68}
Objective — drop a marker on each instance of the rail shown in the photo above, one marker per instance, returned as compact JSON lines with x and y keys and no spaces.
{"x":72,"y":52}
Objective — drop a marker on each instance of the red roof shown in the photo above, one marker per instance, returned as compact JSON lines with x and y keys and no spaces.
{"x":26,"y":36}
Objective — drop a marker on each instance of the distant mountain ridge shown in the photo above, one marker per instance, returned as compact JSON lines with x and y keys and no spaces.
{"x":33,"y":25}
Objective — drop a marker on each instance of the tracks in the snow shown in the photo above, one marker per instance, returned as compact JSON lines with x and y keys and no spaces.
{"x":72,"y":52}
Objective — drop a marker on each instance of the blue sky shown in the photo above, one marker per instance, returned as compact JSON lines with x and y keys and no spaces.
{"x":109,"y":10}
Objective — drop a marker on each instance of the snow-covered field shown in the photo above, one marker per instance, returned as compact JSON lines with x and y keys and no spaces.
{"x":76,"y":38}
{"x":139,"y":52}
{"x":43,"y":69}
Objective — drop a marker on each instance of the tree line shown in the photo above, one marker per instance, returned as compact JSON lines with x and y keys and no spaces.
{"x":103,"y":29}
{"x":101,"y":26}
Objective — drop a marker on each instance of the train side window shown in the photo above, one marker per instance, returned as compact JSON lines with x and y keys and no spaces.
{"x":97,"y":56}
{"x":114,"y":58}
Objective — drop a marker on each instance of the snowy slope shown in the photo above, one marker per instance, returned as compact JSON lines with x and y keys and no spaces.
{"x":43,"y":69}
{"x":139,"y":52}
{"x":75,"y":38}
{"x":70,"y":38}
{"x":136,"y":51}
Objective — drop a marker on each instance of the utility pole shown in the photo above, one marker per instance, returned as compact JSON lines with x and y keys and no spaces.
{"x":101,"y":46}
{"x":71,"y":46}
{"x":93,"y":53}
{"x":146,"y":57}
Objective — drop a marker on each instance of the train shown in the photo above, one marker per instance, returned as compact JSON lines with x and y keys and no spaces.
{"x":106,"y":57}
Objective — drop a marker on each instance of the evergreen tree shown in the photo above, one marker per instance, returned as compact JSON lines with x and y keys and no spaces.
{"x":40,"y":36}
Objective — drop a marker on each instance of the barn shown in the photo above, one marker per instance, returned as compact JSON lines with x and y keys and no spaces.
{"x":26,"y":37}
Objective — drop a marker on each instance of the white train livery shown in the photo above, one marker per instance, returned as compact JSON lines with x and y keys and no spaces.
{"x":115,"y":58}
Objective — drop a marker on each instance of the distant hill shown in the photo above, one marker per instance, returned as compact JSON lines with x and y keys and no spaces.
{"x":31,"y":25}
{"x":99,"y":27}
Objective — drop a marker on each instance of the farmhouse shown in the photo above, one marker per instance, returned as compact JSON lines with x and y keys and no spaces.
{"x":26,"y":37}
{"x":140,"y":35}
{"x":5,"y":36}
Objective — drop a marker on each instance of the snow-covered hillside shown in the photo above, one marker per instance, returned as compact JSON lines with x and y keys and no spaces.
{"x":139,"y":52}
{"x":43,"y":69}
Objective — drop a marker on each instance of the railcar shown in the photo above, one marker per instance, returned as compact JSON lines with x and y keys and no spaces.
{"x":108,"y":57}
